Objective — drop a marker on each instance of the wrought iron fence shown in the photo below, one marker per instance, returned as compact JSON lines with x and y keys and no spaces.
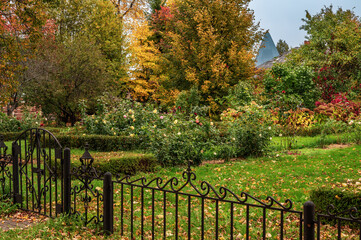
{"x":184,"y":208}
{"x":195,"y":199}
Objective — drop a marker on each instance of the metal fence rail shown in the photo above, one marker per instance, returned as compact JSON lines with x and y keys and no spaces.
{"x":38,"y":175}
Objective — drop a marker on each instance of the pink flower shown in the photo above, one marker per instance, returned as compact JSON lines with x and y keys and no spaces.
{"x":125,"y":116}
{"x":283,"y":91}
{"x":161,"y":117}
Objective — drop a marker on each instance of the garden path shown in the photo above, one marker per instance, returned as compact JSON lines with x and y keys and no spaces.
{"x":19,"y":219}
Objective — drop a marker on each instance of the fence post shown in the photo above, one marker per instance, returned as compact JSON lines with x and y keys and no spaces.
{"x":67,"y":181}
{"x":108,"y":203}
{"x":309,"y":223}
{"x":15,"y":157}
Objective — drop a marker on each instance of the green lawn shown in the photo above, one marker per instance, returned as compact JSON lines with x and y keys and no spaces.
{"x":282,"y":177}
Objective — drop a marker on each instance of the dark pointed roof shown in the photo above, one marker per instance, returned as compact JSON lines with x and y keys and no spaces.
{"x":267,"y":50}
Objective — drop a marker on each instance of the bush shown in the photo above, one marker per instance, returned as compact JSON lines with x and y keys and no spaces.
{"x":341,"y":199}
{"x":291,"y":87}
{"x":100,"y":142}
{"x":11,"y":124}
{"x":183,"y":140}
{"x":250,"y":130}
{"x":128,"y":163}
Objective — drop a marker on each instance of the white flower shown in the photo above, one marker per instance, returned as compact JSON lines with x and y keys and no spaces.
{"x":269,"y":128}
{"x":234,"y":139}
{"x":260,"y":135}
{"x":215,"y":153}
{"x":115,"y":133}
{"x":104,"y":121}
{"x":211,"y":123}
{"x":132,"y":127}
{"x":175,"y":121}
{"x":164,"y":135}
{"x":277,"y":155}
{"x":280,"y":135}
{"x":179,"y":133}
{"x":270,"y":138}
{"x":350,"y":122}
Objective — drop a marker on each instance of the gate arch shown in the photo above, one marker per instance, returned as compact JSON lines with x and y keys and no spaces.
{"x":37,"y":170}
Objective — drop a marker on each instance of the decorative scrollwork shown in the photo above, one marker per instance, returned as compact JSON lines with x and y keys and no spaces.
{"x":348,"y":212}
{"x":205,"y":190}
{"x":5,"y":172}
{"x":86,"y":174}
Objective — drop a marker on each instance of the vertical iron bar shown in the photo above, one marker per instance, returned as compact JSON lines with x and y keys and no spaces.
{"x":142,"y":213}
{"x":50,"y":180}
{"x":301,"y":225}
{"x":15,"y":156}
{"x":189,"y":217}
{"x":281,"y":230}
{"x":264,"y":223}
{"x":164,"y":215}
{"x":108,"y":203}
{"x":217,"y":210}
{"x":247,"y":222}
{"x":67,"y":181}
{"x":202,"y":219}
{"x":131,"y":212}
{"x":44,"y":186}
{"x":38,"y":166}
{"x":231,"y":230}
{"x":121,"y":210}
{"x":176,"y":216}
{"x":152,"y":213}
{"x":309,"y":216}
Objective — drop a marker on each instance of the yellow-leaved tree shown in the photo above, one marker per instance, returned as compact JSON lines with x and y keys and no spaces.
{"x":207,"y":45}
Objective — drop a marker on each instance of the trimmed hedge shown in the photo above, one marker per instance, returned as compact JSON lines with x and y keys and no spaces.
{"x":101,"y":142}
{"x":10,"y":136}
{"x":128,"y":163}
{"x":96,"y":142}
{"x":341,"y":200}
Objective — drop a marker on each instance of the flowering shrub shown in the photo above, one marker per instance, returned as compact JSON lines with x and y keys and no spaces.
{"x":174,"y":137}
{"x":250,"y":130}
{"x":11,"y":124}
{"x":340,"y":108}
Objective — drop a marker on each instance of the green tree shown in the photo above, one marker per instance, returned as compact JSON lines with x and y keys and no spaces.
{"x":62,"y":75}
{"x":333,"y":50}
{"x":208,"y":45}
{"x":282,"y":46}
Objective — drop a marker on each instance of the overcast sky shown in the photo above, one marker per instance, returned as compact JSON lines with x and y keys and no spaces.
{"x":283,"y":17}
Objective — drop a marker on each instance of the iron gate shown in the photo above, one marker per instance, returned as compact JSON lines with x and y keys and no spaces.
{"x":37,"y":169}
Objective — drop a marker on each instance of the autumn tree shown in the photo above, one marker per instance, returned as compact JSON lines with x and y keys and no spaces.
{"x":208,"y":45}
{"x":282,"y":46}
{"x":21,"y":25}
{"x":333,"y":50}
{"x":85,"y":59}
